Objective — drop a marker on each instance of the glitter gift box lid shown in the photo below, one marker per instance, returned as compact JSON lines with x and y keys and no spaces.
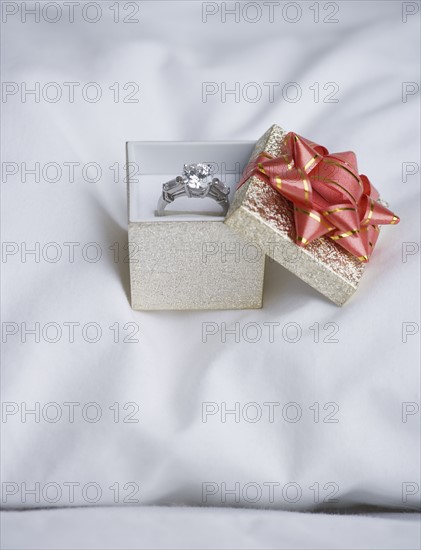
{"x":259,"y":213}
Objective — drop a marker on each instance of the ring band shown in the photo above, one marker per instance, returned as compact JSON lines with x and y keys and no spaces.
{"x":195,"y":182}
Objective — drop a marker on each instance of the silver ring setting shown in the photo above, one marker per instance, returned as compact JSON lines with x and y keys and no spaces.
{"x":196,"y":181}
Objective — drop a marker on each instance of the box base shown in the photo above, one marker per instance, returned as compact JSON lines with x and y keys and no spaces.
{"x":193,"y":266}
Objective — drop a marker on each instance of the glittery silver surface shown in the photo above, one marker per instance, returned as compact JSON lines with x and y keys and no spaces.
{"x":192,"y":265}
{"x":262,"y":215}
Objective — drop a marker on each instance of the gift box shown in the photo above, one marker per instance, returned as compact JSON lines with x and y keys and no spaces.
{"x":188,"y":258}
{"x":310,"y":211}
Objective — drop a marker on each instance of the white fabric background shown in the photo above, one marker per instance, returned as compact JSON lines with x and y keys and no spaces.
{"x":170,"y":372}
{"x":203,"y":528}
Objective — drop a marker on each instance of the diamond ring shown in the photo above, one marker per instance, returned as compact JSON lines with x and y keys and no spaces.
{"x":196,"y":182}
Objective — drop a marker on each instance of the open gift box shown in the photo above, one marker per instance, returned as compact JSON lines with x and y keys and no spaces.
{"x":307,"y":209}
{"x":188,"y":258}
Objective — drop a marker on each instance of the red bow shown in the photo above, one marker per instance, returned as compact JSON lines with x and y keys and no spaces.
{"x":329,"y":196}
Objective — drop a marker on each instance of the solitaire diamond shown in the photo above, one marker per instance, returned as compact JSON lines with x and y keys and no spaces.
{"x":196,"y":175}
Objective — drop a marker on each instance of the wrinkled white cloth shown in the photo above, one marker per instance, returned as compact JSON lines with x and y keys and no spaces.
{"x":122,"y":417}
{"x":202,"y":528}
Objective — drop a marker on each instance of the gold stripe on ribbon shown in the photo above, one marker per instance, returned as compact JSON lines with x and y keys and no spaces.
{"x":367,"y":227}
{"x":315,"y":217}
{"x":362,"y":258}
{"x":371,"y":211}
{"x":310,"y":162}
{"x":305,"y":184}
{"x":261,"y":168}
{"x":302,"y":239}
{"x":327,"y":212}
{"x":395,"y":219}
{"x":290,"y":163}
{"x":345,"y":235}
{"x":278,"y":182}
{"x":311,"y":214}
